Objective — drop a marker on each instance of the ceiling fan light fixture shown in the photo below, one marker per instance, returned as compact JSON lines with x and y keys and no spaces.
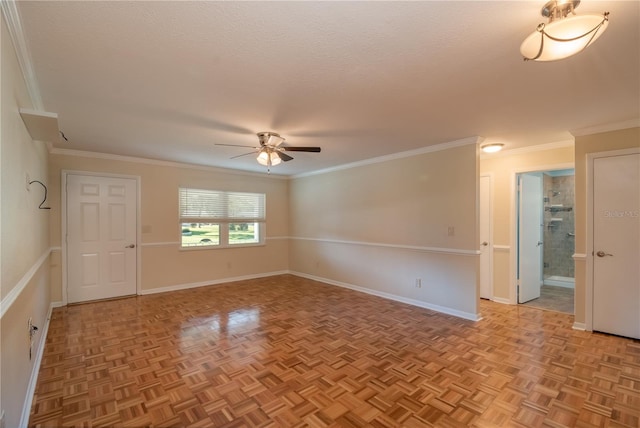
{"x":271,"y":152}
{"x":563,"y":36}
{"x":492,"y":148}
{"x":268,"y":158}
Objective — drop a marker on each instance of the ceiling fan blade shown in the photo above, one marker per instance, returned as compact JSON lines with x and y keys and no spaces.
{"x":301,"y":149}
{"x":285,"y":157}
{"x":244,"y":154}
{"x":235,"y":145}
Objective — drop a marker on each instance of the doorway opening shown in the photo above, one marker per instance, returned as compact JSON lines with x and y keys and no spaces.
{"x":546,"y":239}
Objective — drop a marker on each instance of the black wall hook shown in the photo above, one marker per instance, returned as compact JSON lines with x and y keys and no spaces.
{"x":45,"y":195}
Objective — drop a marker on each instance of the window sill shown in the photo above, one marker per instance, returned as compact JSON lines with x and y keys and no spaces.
{"x":220,"y":247}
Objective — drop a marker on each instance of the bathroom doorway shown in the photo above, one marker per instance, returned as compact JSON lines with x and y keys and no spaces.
{"x":556,"y":276}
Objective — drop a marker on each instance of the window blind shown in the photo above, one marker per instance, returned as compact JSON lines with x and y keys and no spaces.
{"x":216,"y":205}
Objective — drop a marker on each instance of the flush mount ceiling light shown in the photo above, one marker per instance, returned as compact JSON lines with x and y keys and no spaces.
{"x":563,"y":36}
{"x":492,"y":148}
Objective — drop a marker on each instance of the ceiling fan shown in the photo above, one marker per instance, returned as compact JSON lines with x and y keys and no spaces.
{"x":271,"y":151}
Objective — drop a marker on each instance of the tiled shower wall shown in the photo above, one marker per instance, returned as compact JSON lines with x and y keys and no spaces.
{"x":559,"y":244}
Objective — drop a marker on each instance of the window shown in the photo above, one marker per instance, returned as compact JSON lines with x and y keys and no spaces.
{"x":214,"y":218}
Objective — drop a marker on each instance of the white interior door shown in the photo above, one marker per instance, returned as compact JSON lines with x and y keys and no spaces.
{"x":486,"y":286}
{"x":530,"y":237}
{"x":101,"y":237}
{"x":616,"y":245}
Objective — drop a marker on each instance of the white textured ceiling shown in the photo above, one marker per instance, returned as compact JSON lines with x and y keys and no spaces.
{"x":168,"y":80}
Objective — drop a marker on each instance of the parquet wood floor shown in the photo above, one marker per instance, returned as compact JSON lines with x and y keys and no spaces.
{"x":289,"y":352}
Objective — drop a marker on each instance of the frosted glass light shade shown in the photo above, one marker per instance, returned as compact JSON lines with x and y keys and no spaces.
{"x":563,"y":38}
{"x":263,"y":158}
{"x":268,"y":158}
{"x":275,"y":159}
{"x":492,"y":148}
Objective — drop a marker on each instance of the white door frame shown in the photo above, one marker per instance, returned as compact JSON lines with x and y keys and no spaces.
{"x":63,"y":220}
{"x":588,"y":316}
{"x":513,"y":260}
{"x":490,"y":246}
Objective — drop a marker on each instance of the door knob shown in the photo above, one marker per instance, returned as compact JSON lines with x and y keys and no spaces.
{"x":485,"y":243}
{"x":131,"y":246}
{"x":539,"y":243}
{"x":603,"y":254}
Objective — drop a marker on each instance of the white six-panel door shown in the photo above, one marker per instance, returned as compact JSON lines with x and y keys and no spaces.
{"x":101,"y":237}
{"x":616,"y":245}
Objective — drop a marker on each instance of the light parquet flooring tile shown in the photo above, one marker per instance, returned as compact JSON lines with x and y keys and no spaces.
{"x":290,"y":352}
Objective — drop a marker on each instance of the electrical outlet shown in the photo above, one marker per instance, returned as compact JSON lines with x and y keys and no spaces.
{"x":451,"y":231}
{"x":418,"y":282}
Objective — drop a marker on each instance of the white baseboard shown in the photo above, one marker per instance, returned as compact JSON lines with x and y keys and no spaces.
{"x":211,"y":282}
{"x":33,"y":380}
{"x":579,"y":326}
{"x":413,"y":302}
{"x":502,"y":300}
{"x":559,"y":281}
{"x":562,"y":284}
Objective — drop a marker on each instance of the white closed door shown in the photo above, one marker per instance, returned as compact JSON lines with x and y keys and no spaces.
{"x":101,"y":237}
{"x":486,"y":288}
{"x":530,"y":237}
{"x":616,"y":245}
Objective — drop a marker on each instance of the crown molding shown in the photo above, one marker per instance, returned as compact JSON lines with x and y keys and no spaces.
{"x":394,"y":156}
{"x":529,"y":149}
{"x":617,"y":126}
{"x":14,"y":25}
{"x":147,"y":161}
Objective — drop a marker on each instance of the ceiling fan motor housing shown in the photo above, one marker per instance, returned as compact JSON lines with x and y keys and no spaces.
{"x":269,"y":138}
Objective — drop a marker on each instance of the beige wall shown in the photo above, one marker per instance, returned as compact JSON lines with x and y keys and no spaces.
{"x":164,"y":266}
{"x":379,"y":227}
{"x":24,"y":247}
{"x":602,"y":142}
{"x":503,"y":167}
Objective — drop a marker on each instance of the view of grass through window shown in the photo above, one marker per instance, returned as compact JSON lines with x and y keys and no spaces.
{"x":243,"y":233}
{"x":200,"y":234}
{"x":204,"y":234}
